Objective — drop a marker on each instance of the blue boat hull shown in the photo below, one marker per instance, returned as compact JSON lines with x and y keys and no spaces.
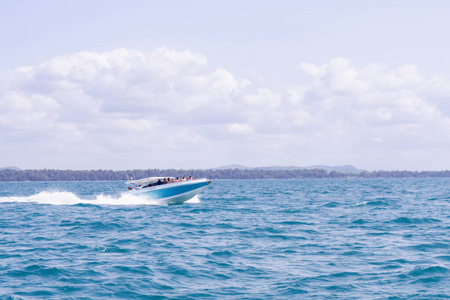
{"x":173,"y":193}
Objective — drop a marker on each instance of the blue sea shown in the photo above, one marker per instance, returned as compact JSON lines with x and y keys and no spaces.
{"x":239,"y":239}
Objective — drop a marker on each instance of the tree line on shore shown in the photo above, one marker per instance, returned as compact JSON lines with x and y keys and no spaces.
{"x":90,"y":175}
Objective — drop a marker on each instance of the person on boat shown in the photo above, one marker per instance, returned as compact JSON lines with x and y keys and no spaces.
{"x":148,"y":185}
{"x":190,"y":178}
{"x":178,"y":179}
{"x":183,"y":179}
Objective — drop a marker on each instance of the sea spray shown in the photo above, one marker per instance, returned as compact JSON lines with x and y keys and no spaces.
{"x":69,"y":198}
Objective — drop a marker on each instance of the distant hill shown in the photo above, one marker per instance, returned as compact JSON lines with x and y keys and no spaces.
{"x":341,"y":169}
{"x":280,"y":168}
{"x":241,"y":167}
{"x":11,"y":168}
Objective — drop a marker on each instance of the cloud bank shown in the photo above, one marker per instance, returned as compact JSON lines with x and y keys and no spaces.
{"x":129,"y":109}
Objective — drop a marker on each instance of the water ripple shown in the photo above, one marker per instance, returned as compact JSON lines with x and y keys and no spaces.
{"x":248,"y":239}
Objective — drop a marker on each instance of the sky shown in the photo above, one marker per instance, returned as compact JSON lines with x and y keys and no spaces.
{"x":201,"y":84}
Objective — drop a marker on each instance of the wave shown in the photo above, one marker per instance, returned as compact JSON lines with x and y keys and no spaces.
{"x":69,"y":198}
{"x":372,"y":203}
{"x":405,"y":220}
{"x":428,"y":270}
{"x":331,"y":204}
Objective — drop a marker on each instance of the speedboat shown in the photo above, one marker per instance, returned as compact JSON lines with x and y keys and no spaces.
{"x":167,"y":189}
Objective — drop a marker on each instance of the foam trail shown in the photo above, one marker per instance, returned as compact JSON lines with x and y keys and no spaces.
{"x":194,"y":199}
{"x":55,"y":198}
{"x":68,"y":198}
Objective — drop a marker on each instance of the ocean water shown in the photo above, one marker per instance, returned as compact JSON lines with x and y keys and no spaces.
{"x":239,"y":239}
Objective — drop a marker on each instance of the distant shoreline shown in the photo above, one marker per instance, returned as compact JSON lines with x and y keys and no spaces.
{"x":105,"y":175}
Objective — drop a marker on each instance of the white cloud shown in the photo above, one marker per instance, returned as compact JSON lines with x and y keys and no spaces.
{"x":132,"y":109}
{"x":377,"y":108}
{"x":116,"y":101}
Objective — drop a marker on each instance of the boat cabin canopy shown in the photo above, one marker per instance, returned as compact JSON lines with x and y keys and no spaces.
{"x":146,"y":181}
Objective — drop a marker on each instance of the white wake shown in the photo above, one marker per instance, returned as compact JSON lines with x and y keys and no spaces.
{"x":68,"y":198}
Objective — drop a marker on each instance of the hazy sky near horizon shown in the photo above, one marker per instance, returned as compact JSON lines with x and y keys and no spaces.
{"x":201,"y":84}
